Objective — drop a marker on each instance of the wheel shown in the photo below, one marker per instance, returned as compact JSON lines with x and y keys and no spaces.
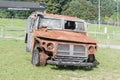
{"x":35,"y":57}
{"x":38,"y":57}
{"x":91,"y":58}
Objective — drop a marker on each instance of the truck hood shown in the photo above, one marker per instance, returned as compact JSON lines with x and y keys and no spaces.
{"x":65,"y":35}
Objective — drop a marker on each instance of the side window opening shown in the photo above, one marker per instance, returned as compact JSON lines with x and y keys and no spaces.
{"x":70,"y":25}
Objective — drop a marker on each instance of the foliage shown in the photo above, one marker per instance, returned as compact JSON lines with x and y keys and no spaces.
{"x":114,"y":17}
{"x":15,"y":14}
{"x":52,"y":7}
{"x":107,"y":7}
{"x":81,"y":9}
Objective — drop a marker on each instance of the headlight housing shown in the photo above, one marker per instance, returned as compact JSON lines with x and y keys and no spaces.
{"x":50,"y":46}
{"x":91,"y":49}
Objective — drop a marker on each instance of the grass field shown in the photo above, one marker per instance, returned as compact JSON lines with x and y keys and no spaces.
{"x":111,"y":37}
{"x":13,"y":27}
{"x":15,"y":65}
{"x":110,"y":29}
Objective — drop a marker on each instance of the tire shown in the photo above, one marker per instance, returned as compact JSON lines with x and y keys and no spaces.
{"x":35,"y":57}
{"x":91,"y":58}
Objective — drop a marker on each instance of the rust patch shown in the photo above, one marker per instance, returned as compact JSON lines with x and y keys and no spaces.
{"x":43,"y":58}
{"x":64,"y":35}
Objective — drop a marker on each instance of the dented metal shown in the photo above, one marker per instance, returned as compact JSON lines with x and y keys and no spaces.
{"x":60,"y":40}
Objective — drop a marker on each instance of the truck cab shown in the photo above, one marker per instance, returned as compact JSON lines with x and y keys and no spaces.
{"x":59,"y":40}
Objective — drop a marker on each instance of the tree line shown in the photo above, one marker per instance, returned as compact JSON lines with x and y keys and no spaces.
{"x":84,"y":9}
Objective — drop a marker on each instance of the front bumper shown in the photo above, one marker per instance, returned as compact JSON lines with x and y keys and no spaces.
{"x":77,"y":64}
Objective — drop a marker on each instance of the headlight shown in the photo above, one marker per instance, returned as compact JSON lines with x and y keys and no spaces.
{"x":50,"y":46}
{"x":91,"y":50}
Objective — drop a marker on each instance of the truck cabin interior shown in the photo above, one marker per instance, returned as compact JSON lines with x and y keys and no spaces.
{"x":70,"y":25}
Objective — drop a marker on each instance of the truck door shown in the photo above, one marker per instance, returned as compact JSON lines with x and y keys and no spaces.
{"x":28,"y":35}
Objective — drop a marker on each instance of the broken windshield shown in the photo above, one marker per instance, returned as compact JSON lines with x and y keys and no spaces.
{"x":51,"y":23}
{"x":75,"y":26}
{"x":80,"y":26}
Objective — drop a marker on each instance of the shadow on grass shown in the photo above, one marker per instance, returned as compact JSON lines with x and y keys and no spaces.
{"x":72,"y":68}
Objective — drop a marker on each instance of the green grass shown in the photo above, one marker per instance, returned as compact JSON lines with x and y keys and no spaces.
{"x":15,"y":65}
{"x":111,"y":37}
{"x":12,"y":22}
{"x":95,"y":27}
{"x":13,"y":27}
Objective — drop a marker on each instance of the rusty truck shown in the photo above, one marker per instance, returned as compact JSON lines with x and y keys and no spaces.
{"x":59,"y":40}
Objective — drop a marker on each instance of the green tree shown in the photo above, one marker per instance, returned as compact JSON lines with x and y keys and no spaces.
{"x":82,"y":9}
{"x":52,"y":7}
{"x":107,"y":7}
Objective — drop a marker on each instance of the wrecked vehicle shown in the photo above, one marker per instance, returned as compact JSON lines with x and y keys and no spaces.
{"x":59,"y":40}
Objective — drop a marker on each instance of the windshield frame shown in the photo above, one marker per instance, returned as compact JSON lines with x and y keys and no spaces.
{"x":62,"y":24}
{"x":84,"y":26}
{"x":52,"y":27}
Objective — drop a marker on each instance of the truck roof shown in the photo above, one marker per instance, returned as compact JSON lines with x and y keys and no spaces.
{"x":56,"y":16}
{"x":60,"y":17}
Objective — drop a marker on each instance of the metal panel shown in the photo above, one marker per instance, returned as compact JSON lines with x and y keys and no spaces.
{"x":69,"y":59}
{"x":63,"y":49}
{"x":79,"y":51}
{"x":71,"y":50}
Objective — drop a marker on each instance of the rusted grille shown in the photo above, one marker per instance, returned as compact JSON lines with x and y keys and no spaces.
{"x":63,"y":49}
{"x":69,"y":59}
{"x":79,"y":51}
{"x":71,"y":50}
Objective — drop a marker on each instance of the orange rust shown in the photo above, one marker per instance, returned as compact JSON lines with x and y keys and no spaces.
{"x":92,"y":49}
{"x":43,"y":58}
{"x":64,"y":35}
